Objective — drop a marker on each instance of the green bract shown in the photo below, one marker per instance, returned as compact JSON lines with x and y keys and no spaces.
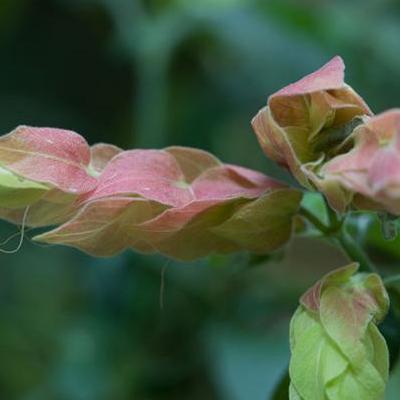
{"x":338,"y":352}
{"x":17,"y":192}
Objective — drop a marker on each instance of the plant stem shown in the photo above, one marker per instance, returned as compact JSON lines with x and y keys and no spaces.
{"x":314,"y":220}
{"x":337,"y":231}
{"x":355,"y":252}
{"x":335,"y":222}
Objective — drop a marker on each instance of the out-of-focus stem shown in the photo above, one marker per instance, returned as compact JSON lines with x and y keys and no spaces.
{"x":355,"y":252}
{"x":149,"y":41}
{"x":337,"y":231}
{"x":314,"y":220}
{"x":392,"y":280}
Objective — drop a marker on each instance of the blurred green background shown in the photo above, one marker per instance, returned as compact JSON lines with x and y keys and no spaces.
{"x":150,"y":74}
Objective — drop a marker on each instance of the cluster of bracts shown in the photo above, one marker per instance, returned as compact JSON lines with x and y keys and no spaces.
{"x":179,"y":201}
{"x":185,"y":203}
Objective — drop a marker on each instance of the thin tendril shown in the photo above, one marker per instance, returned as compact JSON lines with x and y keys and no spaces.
{"x":21,"y":233}
{"x":4,"y":242}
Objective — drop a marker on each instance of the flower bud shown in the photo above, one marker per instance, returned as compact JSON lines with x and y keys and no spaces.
{"x":308,"y":122}
{"x":338,"y":352}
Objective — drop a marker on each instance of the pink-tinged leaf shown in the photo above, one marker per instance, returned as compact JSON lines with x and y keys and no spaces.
{"x":346,"y":305}
{"x":311,"y":298}
{"x":264,"y":224}
{"x":193,"y":203}
{"x":132,"y":222}
{"x":384,"y":173}
{"x":186,"y":233}
{"x":153,"y":174}
{"x":106,"y":226}
{"x":261,"y":124}
{"x":337,"y":350}
{"x":309,"y":120}
{"x":329,"y":76}
{"x":229,"y":182}
{"x":51,"y":156}
{"x":364,"y":294}
{"x":346,"y":313}
{"x":101,"y":154}
{"x":193,"y":162}
{"x":371,"y":170}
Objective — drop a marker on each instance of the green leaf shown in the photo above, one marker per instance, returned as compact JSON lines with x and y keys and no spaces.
{"x":17,"y":192}
{"x":338,"y":352}
{"x":314,"y":202}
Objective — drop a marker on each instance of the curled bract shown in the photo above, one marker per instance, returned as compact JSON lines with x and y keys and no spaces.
{"x":370,"y":172}
{"x":338,"y":352}
{"x":181,"y":202}
{"x":308,"y":122}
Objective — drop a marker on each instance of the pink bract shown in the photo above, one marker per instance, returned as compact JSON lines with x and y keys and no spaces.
{"x":59,"y":159}
{"x":298,"y":127}
{"x":371,"y":170}
{"x":181,"y":202}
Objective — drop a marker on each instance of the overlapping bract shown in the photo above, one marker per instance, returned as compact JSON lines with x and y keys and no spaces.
{"x":181,"y":202}
{"x":371,"y":170}
{"x":301,"y":121}
{"x":337,"y":351}
{"x":46,"y":169}
{"x":310,"y":122}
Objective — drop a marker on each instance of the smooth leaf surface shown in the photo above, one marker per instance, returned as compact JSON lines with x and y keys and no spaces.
{"x":16,"y":192}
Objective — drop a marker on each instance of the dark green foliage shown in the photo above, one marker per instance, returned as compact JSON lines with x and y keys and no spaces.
{"x":78,"y":328}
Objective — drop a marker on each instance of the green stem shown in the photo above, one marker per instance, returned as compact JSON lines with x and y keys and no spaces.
{"x":334,"y":221}
{"x":355,"y":252}
{"x":342,"y":237}
{"x":315,"y":221}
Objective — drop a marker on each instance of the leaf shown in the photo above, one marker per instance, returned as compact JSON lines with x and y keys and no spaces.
{"x":56,"y":157}
{"x":337,"y":350}
{"x":264,"y":224}
{"x":298,"y":128}
{"x":314,"y":202}
{"x":153,"y":174}
{"x":100,"y":155}
{"x":370,"y":170}
{"x":390,"y":327}
{"x":16,"y":192}
{"x":181,"y":202}
{"x":47,"y":169}
{"x":329,"y":76}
